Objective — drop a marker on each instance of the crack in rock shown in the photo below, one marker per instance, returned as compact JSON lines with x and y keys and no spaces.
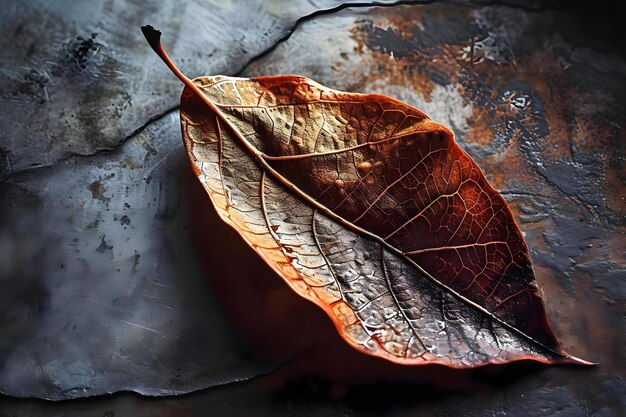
{"x":99,"y":151}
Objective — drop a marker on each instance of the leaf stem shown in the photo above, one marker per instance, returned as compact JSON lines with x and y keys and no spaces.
{"x":153,"y":36}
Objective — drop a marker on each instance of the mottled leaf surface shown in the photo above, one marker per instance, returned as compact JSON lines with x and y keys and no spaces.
{"x":368,"y":208}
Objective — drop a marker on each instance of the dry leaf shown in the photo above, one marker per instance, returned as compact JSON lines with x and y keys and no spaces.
{"x":368,"y":208}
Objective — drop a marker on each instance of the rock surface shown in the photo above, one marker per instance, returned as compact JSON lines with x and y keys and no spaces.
{"x":106,"y":283}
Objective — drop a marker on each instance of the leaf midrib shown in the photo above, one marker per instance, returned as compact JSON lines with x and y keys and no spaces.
{"x":261,"y":159}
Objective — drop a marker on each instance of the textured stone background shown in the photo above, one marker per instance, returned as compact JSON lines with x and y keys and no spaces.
{"x":115,"y":274}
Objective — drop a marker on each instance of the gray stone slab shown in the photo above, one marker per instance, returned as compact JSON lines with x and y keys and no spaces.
{"x":119,"y":298}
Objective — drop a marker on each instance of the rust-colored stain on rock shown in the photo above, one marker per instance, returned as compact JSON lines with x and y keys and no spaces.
{"x":532,"y":127}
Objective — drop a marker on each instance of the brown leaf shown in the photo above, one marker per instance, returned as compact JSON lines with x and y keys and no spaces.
{"x":368,"y":208}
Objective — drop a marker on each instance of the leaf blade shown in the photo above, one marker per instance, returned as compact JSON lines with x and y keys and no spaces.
{"x":273,"y":151}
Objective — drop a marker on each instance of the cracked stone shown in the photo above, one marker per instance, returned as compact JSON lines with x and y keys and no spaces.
{"x":91,"y":260}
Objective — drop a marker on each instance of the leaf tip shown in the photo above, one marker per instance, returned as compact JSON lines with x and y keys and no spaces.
{"x":577,"y":361}
{"x":153,"y":36}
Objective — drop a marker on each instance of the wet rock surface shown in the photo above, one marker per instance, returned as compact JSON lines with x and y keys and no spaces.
{"x":115,"y":274}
